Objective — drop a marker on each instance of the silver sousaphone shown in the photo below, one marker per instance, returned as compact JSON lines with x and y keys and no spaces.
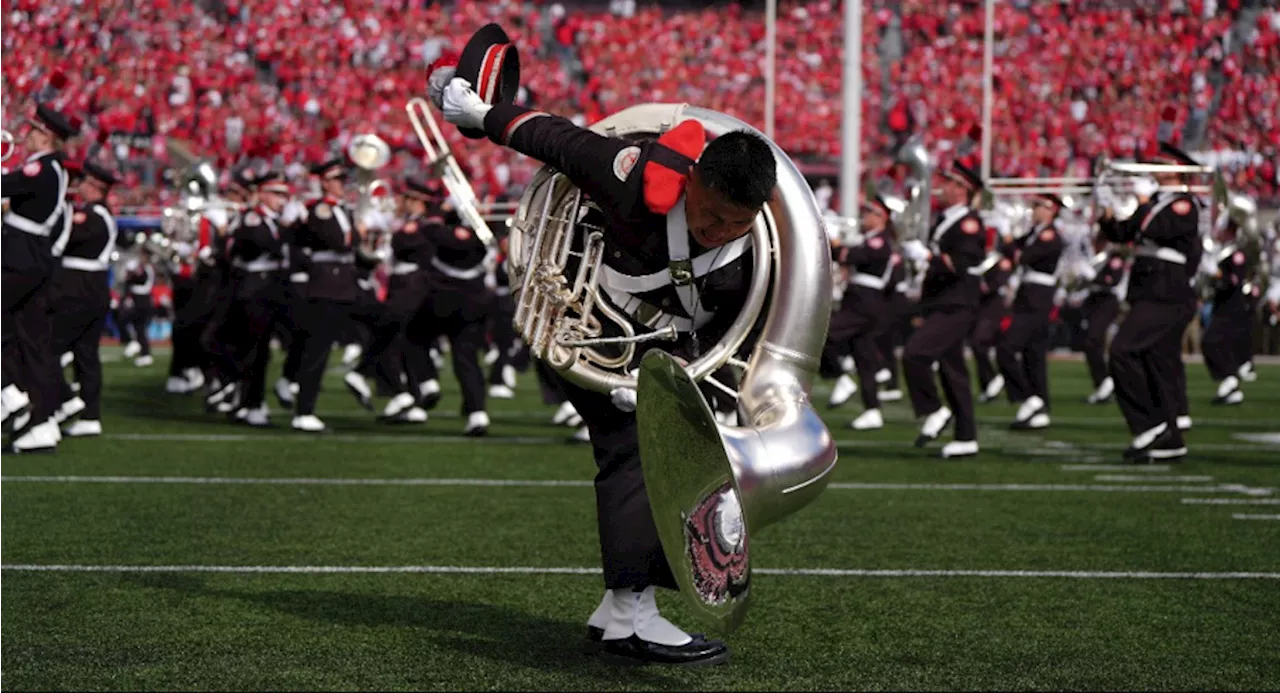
{"x":711,"y":487}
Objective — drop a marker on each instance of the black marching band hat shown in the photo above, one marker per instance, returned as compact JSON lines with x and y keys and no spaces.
{"x":874,"y":203}
{"x":242,"y":181}
{"x":492,"y":66}
{"x":274,"y":182}
{"x":964,"y":175}
{"x":54,"y":122}
{"x":333,"y":168}
{"x":421,"y":189}
{"x":98,"y":173}
{"x":1169,"y":154}
{"x":1049,"y":197}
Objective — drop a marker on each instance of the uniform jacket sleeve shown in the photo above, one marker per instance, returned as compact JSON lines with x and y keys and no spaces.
{"x":592,"y":161}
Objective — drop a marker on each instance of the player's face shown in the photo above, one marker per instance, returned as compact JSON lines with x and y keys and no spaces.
{"x":1042,"y":213}
{"x":872,"y":219}
{"x":89,"y":191}
{"x":713,"y":220}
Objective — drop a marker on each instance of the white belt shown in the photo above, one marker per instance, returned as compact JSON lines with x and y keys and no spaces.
{"x":1041,"y":278}
{"x":259,"y":265}
{"x":83,"y":264}
{"x":1161,"y":253}
{"x":140,"y":291}
{"x":299,"y":278}
{"x":455,"y":273}
{"x":870,"y":281}
{"x":405,"y":268}
{"x":502,"y":291}
{"x":22,"y":223}
{"x":628,"y":304}
{"x":333,"y":256}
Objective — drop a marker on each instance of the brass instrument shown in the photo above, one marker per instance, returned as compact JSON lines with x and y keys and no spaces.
{"x":440,"y":157}
{"x":913,"y":222}
{"x":710,"y":485}
{"x":8,"y":145}
{"x":368,"y":153}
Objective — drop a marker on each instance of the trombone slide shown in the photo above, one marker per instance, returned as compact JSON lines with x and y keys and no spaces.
{"x":440,"y":156}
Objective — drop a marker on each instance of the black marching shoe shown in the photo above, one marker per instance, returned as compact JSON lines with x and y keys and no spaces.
{"x":595,"y":640}
{"x":1168,"y":447}
{"x":698,"y":652}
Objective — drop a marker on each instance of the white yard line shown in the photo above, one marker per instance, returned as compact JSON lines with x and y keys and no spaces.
{"x":527,"y":570}
{"x":1139,"y":477}
{"x":1146,"y":469}
{"x":1231,"y":501}
{"x":410,"y":481}
{"x":1246,"y":516}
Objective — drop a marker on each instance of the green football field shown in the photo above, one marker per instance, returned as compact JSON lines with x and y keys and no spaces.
{"x":181,"y":552}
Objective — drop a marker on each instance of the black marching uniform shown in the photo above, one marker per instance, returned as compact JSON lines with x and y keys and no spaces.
{"x":33,"y":234}
{"x":1228,"y":341}
{"x":328,"y":240}
{"x":1099,"y":311}
{"x":1024,"y":346}
{"x":457,"y":303}
{"x":138,"y":307}
{"x":512,"y":353}
{"x":865,"y":311}
{"x":402,"y":363}
{"x":993,"y":309}
{"x":646,"y":241}
{"x":82,"y":295}
{"x":258,"y":256}
{"x":949,"y":302}
{"x":899,"y":323}
{"x":1146,"y":352}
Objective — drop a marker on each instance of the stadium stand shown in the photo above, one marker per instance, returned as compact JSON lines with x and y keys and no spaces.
{"x":247,"y":79}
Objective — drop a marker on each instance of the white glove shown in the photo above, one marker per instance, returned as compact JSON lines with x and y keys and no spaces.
{"x":462,"y":106}
{"x":436,"y":84}
{"x":293,"y":212}
{"x":1105,"y":197}
{"x":915,"y":251}
{"x":624,"y":398}
{"x":1145,"y":186}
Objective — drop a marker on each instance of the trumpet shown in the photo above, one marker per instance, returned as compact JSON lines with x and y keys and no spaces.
{"x":1118,"y":176}
{"x":441,"y":158}
{"x":7,"y":144}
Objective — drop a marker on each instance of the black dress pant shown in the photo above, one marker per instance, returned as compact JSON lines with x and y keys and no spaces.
{"x":630,"y":550}
{"x":137,"y":317}
{"x":1022,"y":354}
{"x":459,"y":314}
{"x":506,"y":340}
{"x":385,"y":355}
{"x":321,"y":322}
{"x":250,"y":325}
{"x":77,"y":327}
{"x":941,"y":339}
{"x":985,"y":336}
{"x":29,"y":361}
{"x":854,"y":332}
{"x":1228,"y":342}
{"x":1146,"y":363}
{"x":1100,"y":310}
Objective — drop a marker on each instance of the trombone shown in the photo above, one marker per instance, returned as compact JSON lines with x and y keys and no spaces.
{"x":441,"y":158}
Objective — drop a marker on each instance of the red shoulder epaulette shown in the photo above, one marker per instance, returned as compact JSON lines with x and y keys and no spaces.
{"x":667,"y":171}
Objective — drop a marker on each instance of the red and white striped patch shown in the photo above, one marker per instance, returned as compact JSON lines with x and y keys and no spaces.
{"x":517,"y":122}
{"x":491,"y":72}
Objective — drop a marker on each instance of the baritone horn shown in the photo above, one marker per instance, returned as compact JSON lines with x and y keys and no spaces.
{"x":441,"y":158}
{"x":711,"y":487}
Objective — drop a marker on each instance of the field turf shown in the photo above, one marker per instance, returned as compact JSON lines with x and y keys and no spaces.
{"x":1040,"y":565}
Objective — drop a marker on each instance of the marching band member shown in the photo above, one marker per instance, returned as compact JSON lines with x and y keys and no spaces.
{"x":34,"y":229}
{"x":257,"y":251}
{"x":1100,"y":310}
{"x":675,"y":214}
{"x":83,"y":299}
{"x":199,"y":324}
{"x":138,"y":307}
{"x":399,"y":361}
{"x":864,"y":313}
{"x":1146,"y":352}
{"x":1024,"y":346}
{"x":1228,"y":341}
{"x":329,"y":239}
{"x":457,"y":307}
{"x":949,"y":301}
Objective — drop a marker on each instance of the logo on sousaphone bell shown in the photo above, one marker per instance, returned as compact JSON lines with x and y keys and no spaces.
{"x":716,"y":540}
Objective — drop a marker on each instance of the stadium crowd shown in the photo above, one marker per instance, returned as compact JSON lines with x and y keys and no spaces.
{"x":290,"y":82}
